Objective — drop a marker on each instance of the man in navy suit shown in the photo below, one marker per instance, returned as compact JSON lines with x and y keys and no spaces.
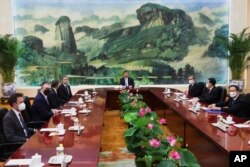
{"x":126,"y":80}
{"x":41,"y":109}
{"x":212,"y":94}
{"x":194,"y":89}
{"x":54,"y":100}
{"x":64,"y":91}
{"x":235,"y":104}
{"x":14,"y":126}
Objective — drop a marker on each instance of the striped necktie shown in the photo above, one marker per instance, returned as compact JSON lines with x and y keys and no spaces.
{"x":23,"y":124}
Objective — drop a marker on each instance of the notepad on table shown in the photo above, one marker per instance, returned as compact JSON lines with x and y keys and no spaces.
{"x":18,"y":162}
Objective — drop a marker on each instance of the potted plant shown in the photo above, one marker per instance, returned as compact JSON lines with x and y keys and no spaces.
{"x":238,"y":46}
{"x":10,"y":50}
{"x":145,"y":137}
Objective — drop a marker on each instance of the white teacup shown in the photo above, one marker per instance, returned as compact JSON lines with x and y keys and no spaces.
{"x":229,"y":119}
{"x":61,"y":133}
{"x":60,"y":127}
{"x":80,"y":100}
{"x":36,"y":160}
{"x":86,"y":93}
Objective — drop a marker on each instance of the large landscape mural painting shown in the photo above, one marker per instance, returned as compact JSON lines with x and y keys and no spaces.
{"x":93,"y":42}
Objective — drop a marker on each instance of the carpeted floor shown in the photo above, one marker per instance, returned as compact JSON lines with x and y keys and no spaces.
{"x":114,"y":152}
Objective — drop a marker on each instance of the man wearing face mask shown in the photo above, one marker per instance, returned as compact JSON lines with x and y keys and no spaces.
{"x":194,"y":90}
{"x":41,"y":109}
{"x":235,"y":104}
{"x":14,"y":126}
{"x":212,"y":94}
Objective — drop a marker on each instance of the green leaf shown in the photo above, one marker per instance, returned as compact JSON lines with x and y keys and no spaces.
{"x":130,"y":116}
{"x":166,"y":163}
{"x":130,"y":132}
{"x":142,"y":122}
{"x":188,"y":158}
{"x":148,"y":160}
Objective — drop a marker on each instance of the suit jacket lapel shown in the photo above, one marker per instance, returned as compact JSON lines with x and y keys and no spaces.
{"x":16,"y":120}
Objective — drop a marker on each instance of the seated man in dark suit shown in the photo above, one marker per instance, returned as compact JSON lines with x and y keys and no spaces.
{"x":41,"y":109}
{"x":14,"y":126}
{"x":126,"y":80}
{"x":194,"y":89}
{"x":64,"y":91}
{"x":235,"y":104}
{"x":212,"y":94}
{"x":54,"y":100}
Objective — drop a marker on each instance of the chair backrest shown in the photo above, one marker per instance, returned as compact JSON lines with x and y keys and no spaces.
{"x":202,"y":88}
{"x":223,"y":93}
{"x":27,"y":113}
{"x":247,"y":100}
{"x":3,"y":111}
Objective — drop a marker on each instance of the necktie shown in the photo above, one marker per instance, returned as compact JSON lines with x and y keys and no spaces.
{"x":46,"y":98}
{"x":23,"y":125}
{"x":190,"y":86}
{"x":67,"y":88}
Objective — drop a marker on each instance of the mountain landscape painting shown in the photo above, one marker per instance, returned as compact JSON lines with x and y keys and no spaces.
{"x":93,"y":42}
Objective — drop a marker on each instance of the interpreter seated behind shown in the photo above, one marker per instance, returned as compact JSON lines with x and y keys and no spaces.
{"x":126,"y":81}
{"x":235,"y":104}
{"x":14,"y":126}
{"x":211,"y":94}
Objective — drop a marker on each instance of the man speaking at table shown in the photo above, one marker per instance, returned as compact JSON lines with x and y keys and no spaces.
{"x":126,"y":80}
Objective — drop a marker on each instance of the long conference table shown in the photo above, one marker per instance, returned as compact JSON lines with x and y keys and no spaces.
{"x":210,"y":144}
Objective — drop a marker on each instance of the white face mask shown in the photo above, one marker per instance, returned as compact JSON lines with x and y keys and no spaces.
{"x":191,"y":81}
{"x":207,"y":85}
{"x":232,"y":94}
{"x":21,"y":106}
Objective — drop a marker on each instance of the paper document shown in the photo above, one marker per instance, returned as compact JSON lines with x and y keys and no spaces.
{"x":242,"y":125}
{"x":18,"y":162}
{"x":48,"y":130}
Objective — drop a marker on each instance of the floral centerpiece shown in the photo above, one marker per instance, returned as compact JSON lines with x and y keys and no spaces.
{"x":145,"y":137}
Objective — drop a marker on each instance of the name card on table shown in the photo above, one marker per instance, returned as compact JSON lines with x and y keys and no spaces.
{"x":221,"y":126}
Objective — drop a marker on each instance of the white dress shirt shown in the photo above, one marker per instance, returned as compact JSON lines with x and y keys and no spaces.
{"x":126,"y":81}
{"x":19,"y":119}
